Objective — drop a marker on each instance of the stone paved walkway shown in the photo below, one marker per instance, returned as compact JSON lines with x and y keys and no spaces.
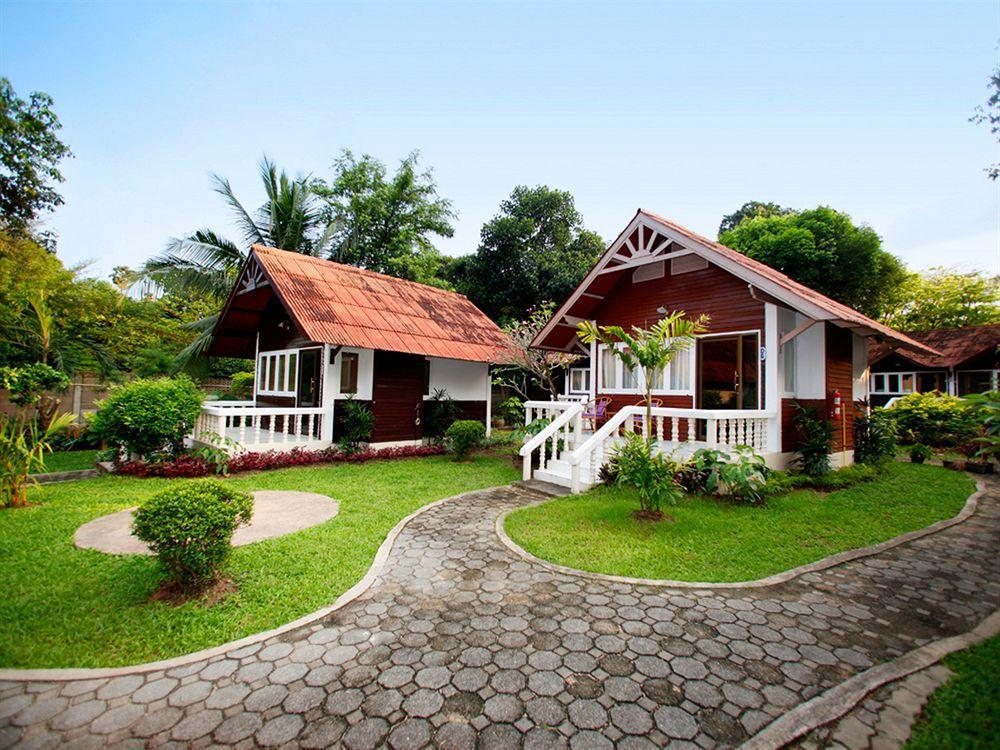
{"x":460,"y":643}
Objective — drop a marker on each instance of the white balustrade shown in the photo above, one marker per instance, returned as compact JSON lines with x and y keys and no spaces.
{"x":260,"y":428}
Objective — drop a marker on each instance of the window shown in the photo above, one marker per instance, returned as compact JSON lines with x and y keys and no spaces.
{"x":276,"y":373}
{"x":976,"y":381}
{"x":893,"y":383}
{"x":789,"y":352}
{"x":615,"y":377}
{"x":427,"y":377}
{"x":579,"y":380}
{"x":349,"y":372}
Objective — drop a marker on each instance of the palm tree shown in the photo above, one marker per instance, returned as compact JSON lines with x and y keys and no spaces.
{"x":206,"y":263}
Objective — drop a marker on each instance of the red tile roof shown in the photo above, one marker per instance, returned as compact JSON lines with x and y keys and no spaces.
{"x":348,"y":306}
{"x":956,"y":345}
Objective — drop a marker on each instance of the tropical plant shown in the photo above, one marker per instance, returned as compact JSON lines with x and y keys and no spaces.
{"x":987,"y":406}
{"x":650,"y":472}
{"x":440,"y":410}
{"x":511,"y":410}
{"x":944,"y":298}
{"x":920,"y":453}
{"x":34,"y":385}
{"x":148,"y":417}
{"x":934,"y":418}
{"x":464,"y":436}
{"x":217,"y":450}
{"x":650,"y":350}
{"x":190,"y":526}
{"x":356,"y":425}
{"x":815,"y":437}
{"x":520,"y":366}
{"x":206,"y":263}
{"x":740,"y":475}
{"x":23,"y":445}
{"x":874,"y":436}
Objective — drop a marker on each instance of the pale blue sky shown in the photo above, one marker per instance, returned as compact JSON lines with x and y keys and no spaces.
{"x":685,"y":109}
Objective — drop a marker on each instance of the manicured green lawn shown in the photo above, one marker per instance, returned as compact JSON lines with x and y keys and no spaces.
{"x":711,"y":540}
{"x":70,"y":460}
{"x":62,"y":606}
{"x":964,"y":713}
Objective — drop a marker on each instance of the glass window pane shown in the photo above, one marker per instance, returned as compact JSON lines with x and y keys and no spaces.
{"x":261,"y":373}
{"x":293,"y":360}
{"x":349,"y":372}
{"x":270,"y":373}
{"x":608,"y":369}
{"x":680,"y":372}
{"x":893,"y":383}
{"x":908,"y":383}
{"x":789,"y":355}
{"x":629,"y":378}
{"x":281,"y":373}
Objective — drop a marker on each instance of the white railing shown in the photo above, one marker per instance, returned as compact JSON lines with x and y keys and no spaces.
{"x":545,"y":409}
{"x":687,"y":429}
{"x":255,"y":428}
{"x":565,"y":429}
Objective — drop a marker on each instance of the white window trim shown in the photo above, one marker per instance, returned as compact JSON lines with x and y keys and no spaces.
{"x":900,"y":375}
{"x":569,"y":380}
{"x":357,"y":374}
{"x":640,"y":390}
{"x":264,"y":363}
{"x":994,"y":376}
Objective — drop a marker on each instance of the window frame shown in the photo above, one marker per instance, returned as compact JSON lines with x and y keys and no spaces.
{"x":574,"y":371}
{"x":271,"y":382}
{"x":639,"y":389}
{"x":896,"y":379}
{"x":344,"y":358}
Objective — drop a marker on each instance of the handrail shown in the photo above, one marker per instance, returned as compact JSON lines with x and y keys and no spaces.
{"x":608,"y":428}
{"x":228,"y":404}
{"x":557,"y":424}
{"x":555,"y":405}
{"x":261,"y":411}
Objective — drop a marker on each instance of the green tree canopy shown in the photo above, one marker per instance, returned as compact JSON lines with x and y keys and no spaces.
{"x":385,"y":223}
{"x":534,"y":250}
{"x":30,"y":152}
{"x":751,"y":210}
{"x":825,"y":250}
{"x":944,"y":298}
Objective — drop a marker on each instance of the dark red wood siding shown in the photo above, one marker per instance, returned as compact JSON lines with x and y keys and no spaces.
{"x":397,"y":396}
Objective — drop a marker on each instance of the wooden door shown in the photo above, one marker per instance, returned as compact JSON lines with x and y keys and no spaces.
{"x":397,"y":397}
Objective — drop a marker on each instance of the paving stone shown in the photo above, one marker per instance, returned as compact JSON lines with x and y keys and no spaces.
{"x":157,"y":721}
{"x":367,"y":734}
{"x":119,"y":686}
{"x":116,"y":719}
{"x":190,"y":694}
{"x":323,"y":733}
{"x":154,"y":690}
{"x":279,"y":730}
{"x":39,"y":712}
{"x":675,"y":723}
{"x":197,"y":725}
{"x":79,"y":714}
{"x":288,"y":673}
{"x":227,"y":696}
{"x":266,"y":697}
{"x":238,"y":727}
{"x":423,"y":703}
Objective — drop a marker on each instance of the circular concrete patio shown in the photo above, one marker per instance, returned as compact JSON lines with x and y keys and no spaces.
{"x":275,"y":513}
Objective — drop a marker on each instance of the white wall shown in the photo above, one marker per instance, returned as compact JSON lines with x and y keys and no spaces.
{"x":366,"y":369}
{"x":464,"y":381}
{"x":811,"y":353}
{"x":860,"y":367}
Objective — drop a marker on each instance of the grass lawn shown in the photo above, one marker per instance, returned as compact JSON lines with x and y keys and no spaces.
{"x":70,"y":460}
{"x":965,"y":711}
{"x":67,"y":607}
{"x":711,"y":540}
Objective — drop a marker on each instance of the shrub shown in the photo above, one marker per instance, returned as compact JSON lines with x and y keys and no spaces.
{"x":146,"y":417}
{"x":30,"y":386}
{"x":23,"y":446}
{"x":650,"y":472}
{"x":815,"y":438}
{"x":241,"y":386}
{"x":464,"y":436}
{"x":216,"y":451}
{"x":874,"y":438}
{"x":511,"y":410}
{"x":920,"y":453}
{"x":740,"y":476}
{"x":439,"y":412}
{"x":356,"y":426}
{"x":987,"y":406}
{"x":76,"y":436}
{"x":190,"y":527}
{"x":934,"y":419}
{"x":780,"y":482}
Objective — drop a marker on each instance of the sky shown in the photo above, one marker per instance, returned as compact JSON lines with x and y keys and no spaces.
{"x":685,"y":109}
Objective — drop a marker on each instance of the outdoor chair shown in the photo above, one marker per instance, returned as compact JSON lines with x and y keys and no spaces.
{"x":595,"y":411}
{"x":637,"y":419}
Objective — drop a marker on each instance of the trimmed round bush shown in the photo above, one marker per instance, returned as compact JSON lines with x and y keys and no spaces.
{"x":464,"y":436}
{"x":146,"y":417}
{"x":190,"y":527}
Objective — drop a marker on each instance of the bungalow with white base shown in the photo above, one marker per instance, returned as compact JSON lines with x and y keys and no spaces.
{"x":772,"y":343}
{"x":322,"y":332}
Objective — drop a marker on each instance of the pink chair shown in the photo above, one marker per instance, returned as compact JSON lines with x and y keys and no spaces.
{"x":637,"y":419}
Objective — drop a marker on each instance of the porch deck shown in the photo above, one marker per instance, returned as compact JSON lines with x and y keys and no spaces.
{"x":241,"y":425}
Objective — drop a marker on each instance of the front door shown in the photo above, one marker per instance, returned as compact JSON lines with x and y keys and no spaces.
{"x":309,"y":369}
{"x":728,"y":372}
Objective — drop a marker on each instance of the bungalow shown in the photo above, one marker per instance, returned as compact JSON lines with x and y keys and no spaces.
{"x":968,"y":362}
{"x":322,"y":332}
{"x":772,"y":344}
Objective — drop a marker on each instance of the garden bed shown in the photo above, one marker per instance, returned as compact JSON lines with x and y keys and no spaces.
{"x":51,"y":588}
{"x":716,"y":541}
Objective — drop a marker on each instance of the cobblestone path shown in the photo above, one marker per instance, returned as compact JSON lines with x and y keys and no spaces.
{"x":461,"y":644}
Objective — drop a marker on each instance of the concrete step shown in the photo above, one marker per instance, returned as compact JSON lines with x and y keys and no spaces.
{"x":547,"y":489}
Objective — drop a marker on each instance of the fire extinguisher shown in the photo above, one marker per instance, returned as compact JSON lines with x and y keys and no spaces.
{"x":838,"y":414}
{"x":834,"y":405}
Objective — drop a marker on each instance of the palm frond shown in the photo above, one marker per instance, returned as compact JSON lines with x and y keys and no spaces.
{"x":191,"y":359}
{"x":252,"y":232}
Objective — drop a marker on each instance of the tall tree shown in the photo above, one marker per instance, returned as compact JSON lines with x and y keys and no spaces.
{"x":825,"y":250}
{"x":989,"y":115}
{"x":751,"y":210}
{"x":206,"y":263}
{"x":534,"y":250}
{"x":385,"y":223}
{"x":30,"y":152}
{"x":945,"y":298}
